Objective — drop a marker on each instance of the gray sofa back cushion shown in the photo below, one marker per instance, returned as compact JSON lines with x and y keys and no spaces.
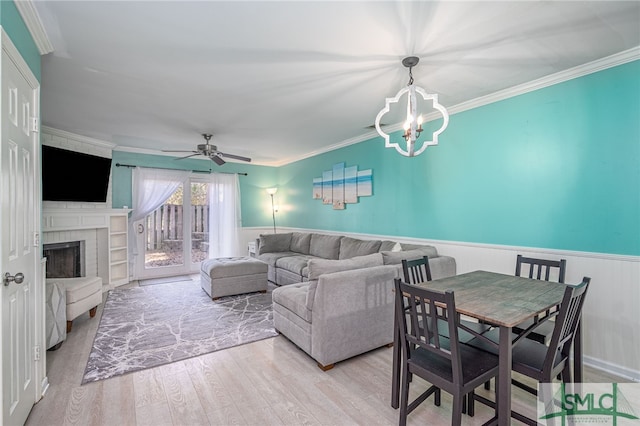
{"x":395,"y":257}
{"x":352,"y":247}
{"x":270,"y":243}
{"x":318,"y":267}
{"x":387,"y":245}
{"x":300,"y":242}
{"x":325,"y":246}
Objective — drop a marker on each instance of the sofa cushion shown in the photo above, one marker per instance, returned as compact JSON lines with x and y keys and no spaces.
{"x":352,"y":247}
{"x":300,"y":242}
{"x":294,"y":298}
{"x":294,"y":263}
{"x":387,"y":245}
{"x":274,"y":242}
{"x":429,"y":250}
{"x":318,"y":267}
{"x":396,"y":257}
{"x":325,"y":246}
{"x":272,"y":258}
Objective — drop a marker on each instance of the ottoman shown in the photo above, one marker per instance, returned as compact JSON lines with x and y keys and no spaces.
{"x":83,"y":294}
{"x":226,"y":276}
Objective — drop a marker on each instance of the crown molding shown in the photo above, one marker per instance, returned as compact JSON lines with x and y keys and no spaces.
{"x":33,"y":22}
{"x":611,"y":61}
{"x":78,"y":138}
{"x":18,"y":60}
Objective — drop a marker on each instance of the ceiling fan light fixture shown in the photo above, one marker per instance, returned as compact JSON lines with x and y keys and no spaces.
{"x":413,"y":124}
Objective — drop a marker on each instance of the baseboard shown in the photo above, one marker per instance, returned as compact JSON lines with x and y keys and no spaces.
{"x":607,"y":367}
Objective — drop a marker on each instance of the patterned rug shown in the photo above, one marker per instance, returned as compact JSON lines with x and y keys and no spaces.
{"x":144,"y":327}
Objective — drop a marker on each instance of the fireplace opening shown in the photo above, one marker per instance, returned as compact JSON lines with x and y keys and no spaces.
{"x":65,"y":260}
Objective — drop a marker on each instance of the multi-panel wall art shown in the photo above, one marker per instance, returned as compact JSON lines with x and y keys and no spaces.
{"x":342,"y":185}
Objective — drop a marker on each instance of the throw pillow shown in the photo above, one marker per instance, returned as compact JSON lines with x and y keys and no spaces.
{"x":387,"y":245}
{"x":270,"y":243}
{"x":396,"y":257}
{"x":352,"y":247}
{"x":318,"y":267}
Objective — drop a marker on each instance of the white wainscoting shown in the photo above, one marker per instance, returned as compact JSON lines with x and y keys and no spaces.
{"x":611,"y":315}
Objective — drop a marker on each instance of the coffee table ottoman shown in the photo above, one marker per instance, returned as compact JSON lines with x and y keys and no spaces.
{"x":227,"y":276}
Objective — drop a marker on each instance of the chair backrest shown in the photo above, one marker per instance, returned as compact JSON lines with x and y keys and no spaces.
{"x":416,"y":271}
{"x":540,"y":269}
{"x":566,"y":324}
{"x":418,"y":320}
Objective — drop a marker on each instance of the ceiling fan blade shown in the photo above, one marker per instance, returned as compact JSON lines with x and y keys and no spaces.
{"x":216,"y":159}
{"x":173,"y":150}
{"x":237,"y":157}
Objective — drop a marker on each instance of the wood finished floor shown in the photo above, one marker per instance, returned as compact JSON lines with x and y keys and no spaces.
{"x":270,"y":382}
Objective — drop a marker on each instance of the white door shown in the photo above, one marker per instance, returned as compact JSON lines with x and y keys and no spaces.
{"x":19,"y":255}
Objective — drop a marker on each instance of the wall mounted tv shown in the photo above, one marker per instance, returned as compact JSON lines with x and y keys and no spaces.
{"x":74,"y":176}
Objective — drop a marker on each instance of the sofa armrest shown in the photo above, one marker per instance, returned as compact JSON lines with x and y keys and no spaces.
{"x":442,"y":267}
{"x":352,"y":312}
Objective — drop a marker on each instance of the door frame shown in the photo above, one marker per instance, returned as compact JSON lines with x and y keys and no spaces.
{"x":38,"y":328}
{"x":188,"y":267}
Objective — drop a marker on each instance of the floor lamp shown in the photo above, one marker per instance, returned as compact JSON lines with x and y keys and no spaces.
{"x":272,"y":191}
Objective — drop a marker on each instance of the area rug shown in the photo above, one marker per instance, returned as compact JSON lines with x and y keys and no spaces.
{"x":144,"y":327}
{"x":164,"y":280}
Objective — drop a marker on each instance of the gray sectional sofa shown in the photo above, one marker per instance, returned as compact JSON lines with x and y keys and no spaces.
{"x":335,"y":297}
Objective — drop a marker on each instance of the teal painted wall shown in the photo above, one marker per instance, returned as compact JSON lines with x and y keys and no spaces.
{"x":256,"y":204}
{"x":557,"y":168}
{"x":14,"y":26}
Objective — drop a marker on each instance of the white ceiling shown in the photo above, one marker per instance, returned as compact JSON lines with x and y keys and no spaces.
{"x":280,"y":80}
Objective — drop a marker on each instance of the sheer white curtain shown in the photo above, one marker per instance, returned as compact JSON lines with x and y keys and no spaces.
{"x":224,"y":215}
{"x":151,"y":188}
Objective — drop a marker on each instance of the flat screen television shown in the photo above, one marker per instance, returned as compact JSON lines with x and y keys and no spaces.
{"x":74,"y":176}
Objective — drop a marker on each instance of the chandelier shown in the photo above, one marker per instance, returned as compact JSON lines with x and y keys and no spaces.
{"x":413,"y":124}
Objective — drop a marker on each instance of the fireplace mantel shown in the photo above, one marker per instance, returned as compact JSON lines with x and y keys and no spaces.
{"x":74,"y":219}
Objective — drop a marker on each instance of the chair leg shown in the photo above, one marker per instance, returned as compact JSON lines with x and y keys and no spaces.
{"x":487,"y":385}
{"x":69,"y":324}
{"x":471,"y":403}
{"x":456,"y":415}
{"x":404,"y":396}
{"x":92,"y":312}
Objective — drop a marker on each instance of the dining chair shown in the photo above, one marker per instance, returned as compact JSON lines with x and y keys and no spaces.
{"x":539,"y":269}
{"x":418,"y":271}
{"x":537,"y":360}
{"x":444,"y":362}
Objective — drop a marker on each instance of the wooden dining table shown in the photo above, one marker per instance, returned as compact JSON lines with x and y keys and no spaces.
{"x":501,"y":300}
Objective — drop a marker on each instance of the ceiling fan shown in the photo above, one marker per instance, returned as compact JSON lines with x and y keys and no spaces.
{"x":210,"y":151}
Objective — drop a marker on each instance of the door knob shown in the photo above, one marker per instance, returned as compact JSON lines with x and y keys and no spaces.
{"x":18,"y":278}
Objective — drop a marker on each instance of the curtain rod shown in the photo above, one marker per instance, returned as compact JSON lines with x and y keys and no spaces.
{"x":166,"y":168}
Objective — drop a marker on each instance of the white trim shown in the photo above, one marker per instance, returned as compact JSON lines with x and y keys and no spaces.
{"x":16,"y":58}
{"x":78,"y":138}
{"x":614,"y":60}
{"x":33,"y":22}
{"x":616,"y":370}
